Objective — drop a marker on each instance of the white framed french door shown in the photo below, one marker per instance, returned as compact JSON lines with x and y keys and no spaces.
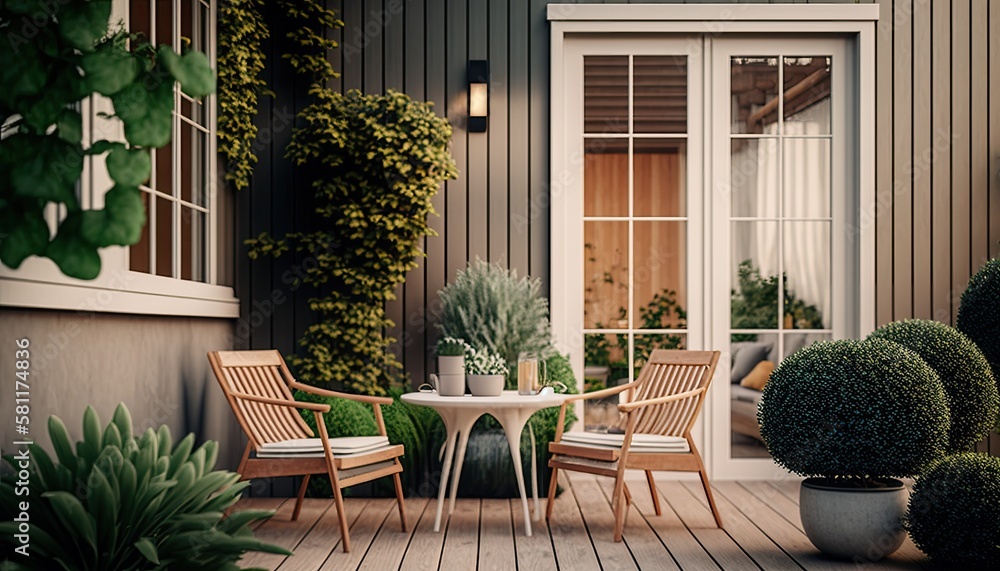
{"x":712,"y":188}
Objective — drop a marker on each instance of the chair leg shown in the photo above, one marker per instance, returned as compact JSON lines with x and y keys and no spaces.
{"x":711,"y":499}
{"x":652,"y":492}
{"x":338,"y":498}
{"x":628,"y":496}
{"x":302,"y":494}
{"x":552,"y":494}
{"x":618,"y":504}
{"x":399,"y":500}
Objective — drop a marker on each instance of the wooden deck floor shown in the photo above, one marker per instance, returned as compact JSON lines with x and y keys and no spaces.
{"x":762,"y":532}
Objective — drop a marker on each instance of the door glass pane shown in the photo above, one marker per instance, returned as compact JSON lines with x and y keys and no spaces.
{"x":794,"y":341}
{"x":164,"y":237}
{"x":659,"y":177}
{"x":605,"y":177}
{"x":659,"y":277}
{"x":606,"y":275}
{"x":754,"y":93}
{"x":807,"y":95}
{"x":193,"y":237}
{"x":605,"y":94}
{"x":659,"y":94}
{"x":805,"y":175}
{"x":754,"y":279}
{"x":806,"y":253}
{"x":753,"y":178}
{"x":752,"y":357}
{"x":138,"y":253}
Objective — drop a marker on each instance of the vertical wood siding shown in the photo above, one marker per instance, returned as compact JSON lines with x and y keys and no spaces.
{"x":937,"y":144}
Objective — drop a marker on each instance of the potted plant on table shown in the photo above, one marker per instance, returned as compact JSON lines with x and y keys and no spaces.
{"x":486,"y":373}
{"x":451,"y":356}
{"x":852,"y":416}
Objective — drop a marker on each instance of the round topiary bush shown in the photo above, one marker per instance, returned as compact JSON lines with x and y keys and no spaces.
{"x":979,"y":313}
{"x":966,"y":375}
{"x":855,"y":409}
{"x":954,"y":511}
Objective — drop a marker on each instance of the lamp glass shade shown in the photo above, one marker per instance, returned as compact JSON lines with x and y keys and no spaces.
{"x":478,"y":99}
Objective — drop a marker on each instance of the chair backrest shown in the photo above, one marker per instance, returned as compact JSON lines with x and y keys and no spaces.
{"x":262,"y":374}
{"x":670,"y":372}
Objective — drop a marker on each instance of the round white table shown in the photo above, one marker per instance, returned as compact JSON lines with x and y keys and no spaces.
{"x":460,"y":413}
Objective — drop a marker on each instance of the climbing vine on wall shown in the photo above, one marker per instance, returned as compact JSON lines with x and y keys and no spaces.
{"x":242,"y":30}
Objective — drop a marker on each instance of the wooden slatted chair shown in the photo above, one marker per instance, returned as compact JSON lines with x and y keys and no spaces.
{"x":258,"y":386}
{"x":663,"y":404}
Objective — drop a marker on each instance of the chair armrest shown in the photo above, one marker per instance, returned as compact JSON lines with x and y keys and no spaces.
{"x":314,"y":406}
{"x":599,"y":394}
{"x":349,"y":396}
{"x":630,"y":406}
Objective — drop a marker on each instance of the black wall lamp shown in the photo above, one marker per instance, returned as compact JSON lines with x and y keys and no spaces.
{"x":479,"y":95}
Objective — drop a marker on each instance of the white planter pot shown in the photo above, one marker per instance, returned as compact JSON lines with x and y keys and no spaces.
{"x":451,"y":365}
{"x":485,"y":385}
{"x":861,"y":524}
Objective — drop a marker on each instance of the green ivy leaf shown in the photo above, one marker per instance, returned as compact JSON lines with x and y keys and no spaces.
{"x":76,"y":257}
{"x":191,"y":70}
{"x":23,"y":71}
{"x":119,"y":223}
{"x":130,"y":167}
{"x":28,"y":235}
{"x":101,"y":147}
{"x":48,"y":168}
{"x":109,"y":69}
{"x":70,"y":126}
{"x":82,"y":24}
{"x":146,"y":112}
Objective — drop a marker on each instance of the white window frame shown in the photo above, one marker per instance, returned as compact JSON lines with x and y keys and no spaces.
{"x":38,"y":283}
{"x":856,"y":22}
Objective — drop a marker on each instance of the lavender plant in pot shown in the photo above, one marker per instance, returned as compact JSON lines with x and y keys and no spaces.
{"x":853,"y":416}
{"x":485,"y":373}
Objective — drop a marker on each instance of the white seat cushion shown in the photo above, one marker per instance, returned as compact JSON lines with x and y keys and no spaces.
{"x":313,"y":447}
{"x":641,"y":443}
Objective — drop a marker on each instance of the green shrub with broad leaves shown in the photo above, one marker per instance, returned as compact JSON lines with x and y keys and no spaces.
{"x":126,"y":502}
{"x":966,"y":375}
{"x":854,"y":409}
{"x":954,"y":511}
{"x":979,"y":313}
{"x":69,"y":56}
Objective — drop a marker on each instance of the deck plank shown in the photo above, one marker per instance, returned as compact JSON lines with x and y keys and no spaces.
{"x":678,"y":539}
{"x":570,"y":538}
{"x":601,"y":524}
{"x":389,"y":546}
{"x":363,"y":532}
{"x":461,"y":541}
{"x":424,"y":551}
{"x":496,"y":535}
{"x":699,"y":520}
{"x":642,"y":541}
{"x":281,"y":531}
{"x":534,"y":553}
{"x":324,"y":538}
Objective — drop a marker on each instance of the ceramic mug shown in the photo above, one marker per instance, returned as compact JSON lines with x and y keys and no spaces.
{"x":448,"y":385}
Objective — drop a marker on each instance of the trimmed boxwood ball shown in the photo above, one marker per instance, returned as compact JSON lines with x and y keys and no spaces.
{"x":856,"y":409}
{"x":966,"y":375}
{"x":954,"y":511}
{"x":979,"y":313}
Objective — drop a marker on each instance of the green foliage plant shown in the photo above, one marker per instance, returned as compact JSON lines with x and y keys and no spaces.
{"x":954,"y":511}
{"x":241,"y":33}
{"x":377,"y":162}
{"x":854,"y":410}
{"x":979,"y":313}
{"x":451,"y":347}
{"x":495,"y":311}
{"x":966,"y":375}
{"x":45,"y":75}
{"x":118,"y":501}
{"x":485,"y":363}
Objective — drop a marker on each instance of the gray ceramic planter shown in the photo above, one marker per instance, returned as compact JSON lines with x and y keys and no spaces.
{"x":860,"y":524}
